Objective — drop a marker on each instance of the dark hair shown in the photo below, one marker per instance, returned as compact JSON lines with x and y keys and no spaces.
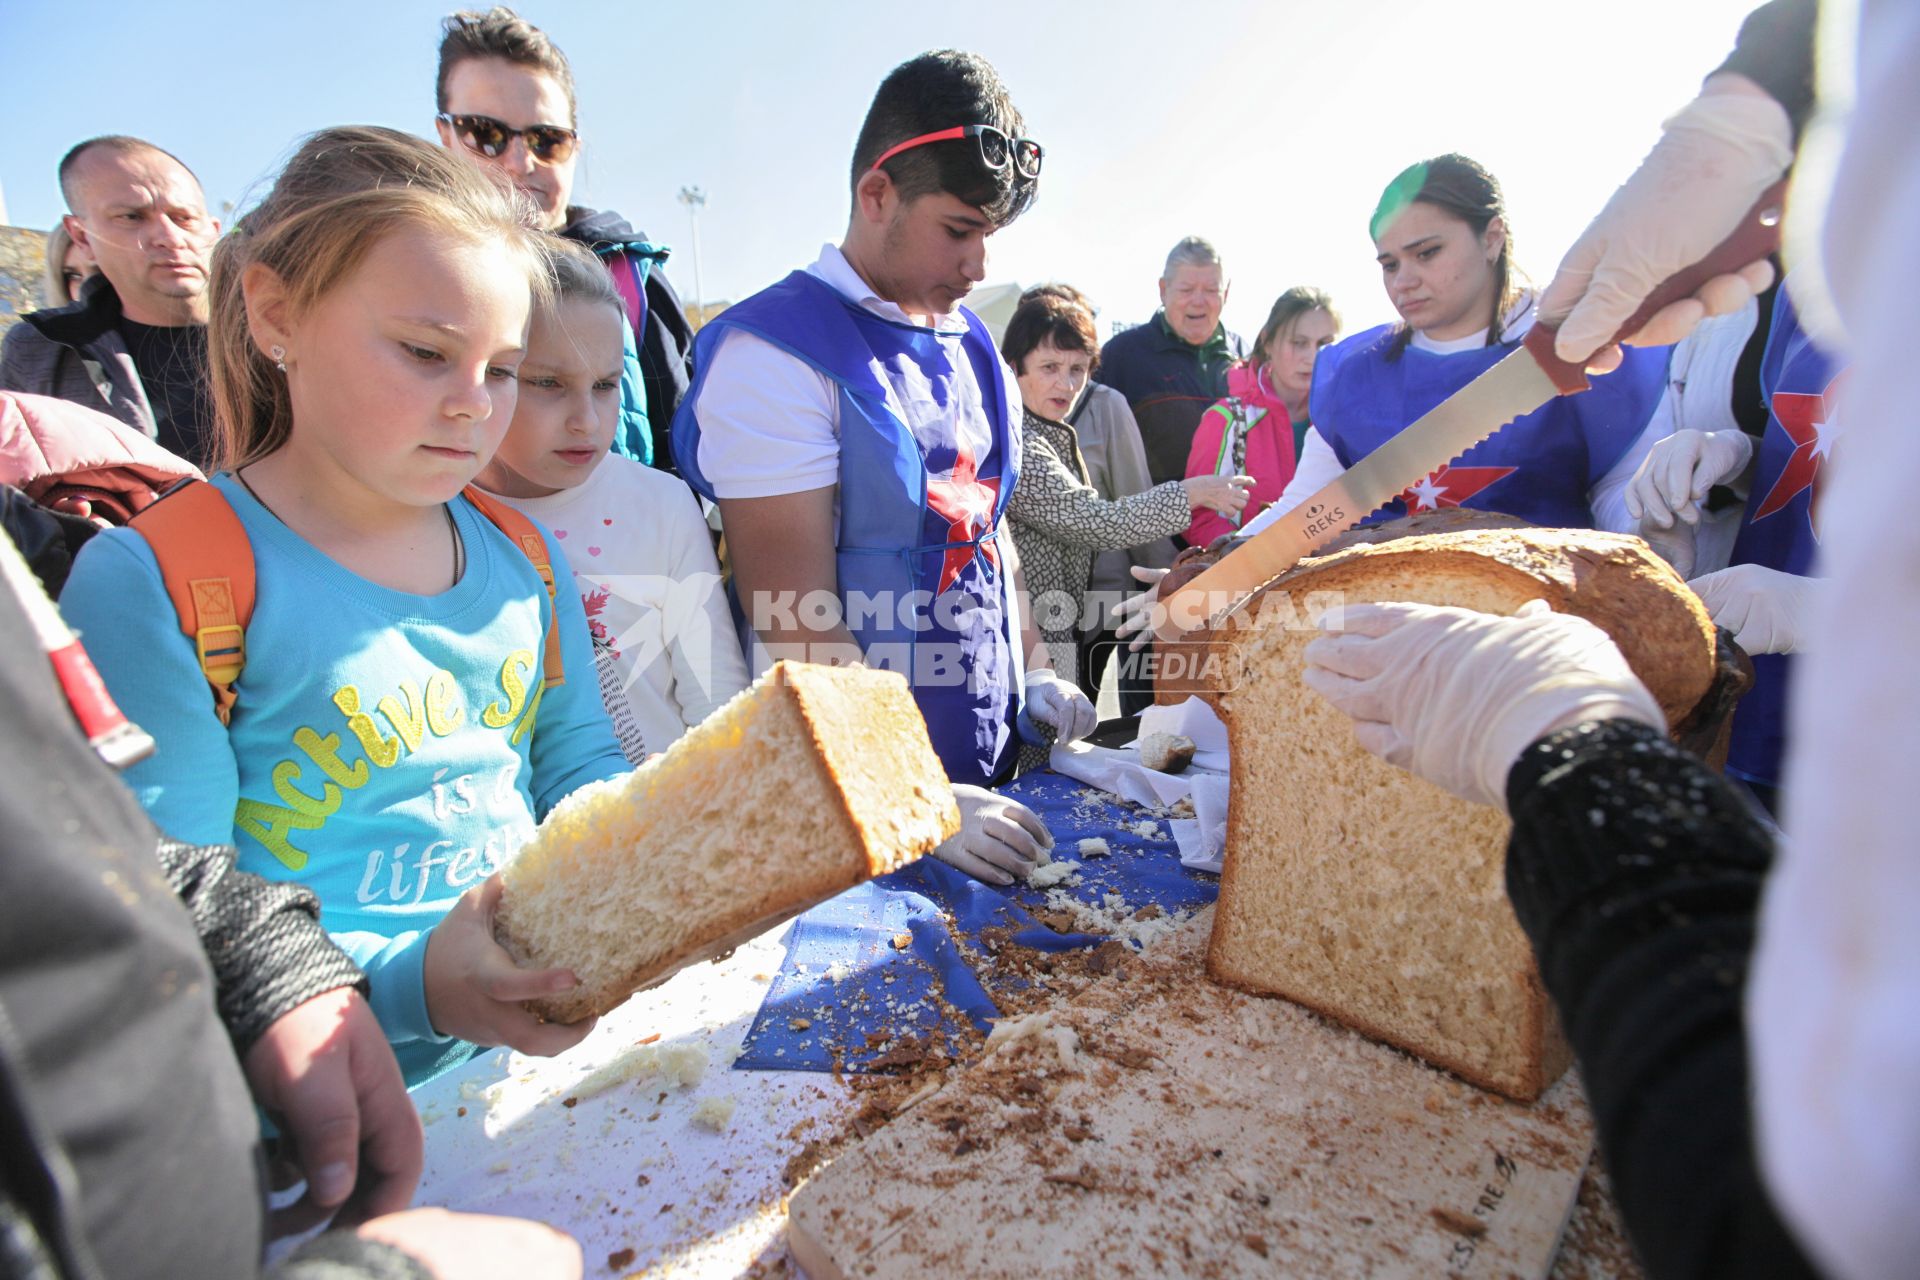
{"x":501,"y":33}
{"x":1046,"y":314}
{"x":1464,"y":188}
{"x":119,"y":144}
{"x":1287,"y":308}
{"x":938,"y":91}
{"x":1064,"y":292}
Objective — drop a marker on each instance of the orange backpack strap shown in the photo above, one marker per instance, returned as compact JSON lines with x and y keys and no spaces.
{"x":206,"y":563}
{"x":524,"y":534}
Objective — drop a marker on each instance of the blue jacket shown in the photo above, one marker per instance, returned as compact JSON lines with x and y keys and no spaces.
{"x":659,"y":341}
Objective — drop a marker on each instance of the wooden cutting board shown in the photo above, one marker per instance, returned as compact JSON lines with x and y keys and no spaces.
{"x":1161,"y":1125}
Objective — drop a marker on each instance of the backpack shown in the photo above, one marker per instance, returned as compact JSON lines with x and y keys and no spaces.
{"x":206,"y":563}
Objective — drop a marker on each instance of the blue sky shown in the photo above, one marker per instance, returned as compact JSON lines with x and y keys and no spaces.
{"x":1268,"y":127}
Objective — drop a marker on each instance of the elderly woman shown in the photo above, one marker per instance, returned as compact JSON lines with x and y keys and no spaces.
{"x":1059,"y":519}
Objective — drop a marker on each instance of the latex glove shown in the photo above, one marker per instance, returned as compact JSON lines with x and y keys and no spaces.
{"x":1134,"y":615}
{"x":999,"y":838}
{"x":1766,"y":610}
{"x":1677,"y":473}
{"x":1455,"y":695}
{"x":479,"y":1246}
{"x":1712,"y":162}
{"x":476,"y":992}
{"x":1060,"y":703}
{"x":325,"y":1074}
{"x":1678,"y":546}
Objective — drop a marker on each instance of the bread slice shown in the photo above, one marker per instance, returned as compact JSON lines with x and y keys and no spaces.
{"x":1362,"y":891}
{"x":805,"y":784}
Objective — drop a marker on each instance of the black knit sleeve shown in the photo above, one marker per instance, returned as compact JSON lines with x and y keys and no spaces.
{"x":1637,"y":872}
{"x":263,"y":939}
{"x":1775,"y":51}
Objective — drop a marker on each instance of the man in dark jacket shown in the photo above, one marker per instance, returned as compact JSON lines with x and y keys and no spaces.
{"x":504,"y":88}
{"x":135,"y":344}
{"x":1175,"y":365}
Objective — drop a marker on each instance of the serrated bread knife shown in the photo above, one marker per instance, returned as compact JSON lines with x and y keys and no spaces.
{"x":1520,"y":383}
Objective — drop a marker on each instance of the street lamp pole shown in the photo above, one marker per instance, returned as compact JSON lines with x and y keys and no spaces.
{"x":695,"y":199}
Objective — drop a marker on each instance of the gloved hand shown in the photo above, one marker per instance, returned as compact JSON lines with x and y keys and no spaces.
{"x":1060,"y":703}
{"x":999,"y":838}
{"x":1712,"y":162}
{"x":1766,"y":610}
{"x":1455,"y":695}
{"x":1676,"y":475}
{"x":1133,"y":616}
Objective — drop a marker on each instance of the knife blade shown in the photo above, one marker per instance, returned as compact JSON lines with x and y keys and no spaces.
{"x":1516,"y":386}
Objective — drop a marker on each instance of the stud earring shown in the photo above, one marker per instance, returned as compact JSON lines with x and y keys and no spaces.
{"x":279,"y":355}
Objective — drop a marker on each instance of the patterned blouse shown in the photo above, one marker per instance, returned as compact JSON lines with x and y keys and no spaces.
{"x":1059,"y":521}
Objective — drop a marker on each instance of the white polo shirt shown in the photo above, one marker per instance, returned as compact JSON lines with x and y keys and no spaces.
{"x":770,"y":423}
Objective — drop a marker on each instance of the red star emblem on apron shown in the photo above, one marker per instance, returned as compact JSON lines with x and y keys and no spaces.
{"x":1450,"y":486}
{"x":1809,"y":423}
{"x":965,"y":502}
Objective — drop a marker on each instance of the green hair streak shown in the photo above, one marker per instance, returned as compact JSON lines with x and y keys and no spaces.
{"x":1400,"y":193}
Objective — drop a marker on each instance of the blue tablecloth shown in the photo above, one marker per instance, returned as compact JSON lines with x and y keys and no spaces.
{"x":864,"y":970}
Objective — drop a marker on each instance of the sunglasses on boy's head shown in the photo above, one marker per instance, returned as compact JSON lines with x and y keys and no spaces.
{"x":998,"y":148}
{"x":483,"y":135}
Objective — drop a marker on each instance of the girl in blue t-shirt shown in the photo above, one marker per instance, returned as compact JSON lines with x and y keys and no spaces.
{"x":1445,"y":249}
{"x":382,"y":745}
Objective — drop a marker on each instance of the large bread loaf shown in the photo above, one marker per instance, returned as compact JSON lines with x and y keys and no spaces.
{"x":1360,"y":890}
{"x":805,"y":784}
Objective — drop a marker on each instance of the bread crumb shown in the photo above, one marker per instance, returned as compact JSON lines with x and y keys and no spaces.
{"x":1094,"y":847}
{"x":632,"y":1066}
{"x":839,"y":970}
{"x":1049,"y":874}
{"x":683,"y":1064}
{"x":1065,"y":1041}
{"x":714,"y":1113}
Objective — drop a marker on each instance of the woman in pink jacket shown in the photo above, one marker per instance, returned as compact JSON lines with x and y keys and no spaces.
{"x":1256,"y":431}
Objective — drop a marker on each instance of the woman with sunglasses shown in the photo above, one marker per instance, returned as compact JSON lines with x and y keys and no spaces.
{"x":506,"y":101}
{"x":1445,"y":248}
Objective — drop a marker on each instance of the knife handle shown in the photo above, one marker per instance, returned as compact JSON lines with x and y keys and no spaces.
{"x":1757,"y":236}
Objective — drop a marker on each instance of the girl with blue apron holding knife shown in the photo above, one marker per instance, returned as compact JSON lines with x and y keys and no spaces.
{"x":1446,"y":257}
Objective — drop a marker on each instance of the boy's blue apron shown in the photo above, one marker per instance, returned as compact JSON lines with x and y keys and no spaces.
{"x":920,"y":574}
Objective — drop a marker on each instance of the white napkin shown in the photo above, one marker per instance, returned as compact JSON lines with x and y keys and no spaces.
{"x":1202,"y":838}
{"x":1119,"y":770}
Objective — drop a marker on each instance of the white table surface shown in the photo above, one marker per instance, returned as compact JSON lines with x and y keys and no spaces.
{"x":711,"y":1203}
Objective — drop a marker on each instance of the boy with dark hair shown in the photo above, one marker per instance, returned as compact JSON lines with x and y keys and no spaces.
{"x":505,"y":98}
{"x":861,"y":436}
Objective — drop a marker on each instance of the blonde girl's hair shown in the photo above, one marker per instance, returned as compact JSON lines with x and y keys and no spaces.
{"x":576,"y":275}
{"x":339,"y":194}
